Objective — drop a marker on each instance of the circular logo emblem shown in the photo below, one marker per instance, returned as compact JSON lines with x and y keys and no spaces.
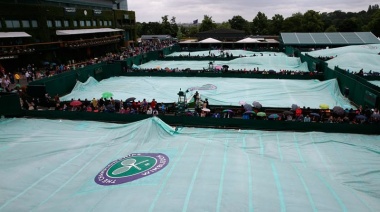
{"x":131,"y":167}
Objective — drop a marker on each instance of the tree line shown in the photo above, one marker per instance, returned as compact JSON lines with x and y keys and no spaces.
{"x":310,"y":21}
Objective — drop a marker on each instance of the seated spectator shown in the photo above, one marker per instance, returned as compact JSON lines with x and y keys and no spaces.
{"x":163,"y":108}
{"x":149,"y":111}
{"x":89,"y":108}
{"x":306,"y":119}
{"x":298,"y":111}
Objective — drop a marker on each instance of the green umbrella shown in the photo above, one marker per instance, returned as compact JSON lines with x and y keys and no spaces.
{"x":261,"y":114}
{"x":324,"y":106}
{"x":18,"y":85}
{"x":249,"y":112}
{"x":107,"y":94}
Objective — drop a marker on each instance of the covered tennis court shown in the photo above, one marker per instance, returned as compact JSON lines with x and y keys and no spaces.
{"x":48,"y":165}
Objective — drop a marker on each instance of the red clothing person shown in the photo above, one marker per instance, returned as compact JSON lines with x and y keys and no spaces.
{"x":153,"y":104}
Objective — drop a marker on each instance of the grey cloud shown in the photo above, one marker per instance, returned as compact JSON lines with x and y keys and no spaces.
{"x":186,"y":11}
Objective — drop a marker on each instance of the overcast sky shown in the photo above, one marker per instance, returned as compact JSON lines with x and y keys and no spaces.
{"x":186,"y":11}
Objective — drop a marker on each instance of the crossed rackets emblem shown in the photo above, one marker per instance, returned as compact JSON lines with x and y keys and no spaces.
{"x":127,"y":165}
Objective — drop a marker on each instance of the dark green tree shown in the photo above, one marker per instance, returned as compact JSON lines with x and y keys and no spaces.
{"x":239,"y":23}
{"x":207,"y":24}
{"x":349,"y":25}
{"x":312,"y":22}
{"x":174,"y":27}
{"x":165,"y":24}
{"x":275,"y":25}
{"x":193,"y":30}
{"x":293,"y":23}
{"x":260,"y":24}
{"x":151,"y":28}
{"x":374,"y":24}
{"x":331,"y":28}
{"x":223,"y":25}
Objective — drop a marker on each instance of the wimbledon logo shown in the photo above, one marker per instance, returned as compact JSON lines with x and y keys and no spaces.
{"x":131,"y":167}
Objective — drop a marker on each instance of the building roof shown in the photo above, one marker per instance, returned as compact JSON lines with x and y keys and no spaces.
{"x":330,"y":38}
{"x":14,"y":35}
{"x":160,"y":37}
{"x":86,"y":31}
{"x":189,"y":41}
{"x":222,"y":31}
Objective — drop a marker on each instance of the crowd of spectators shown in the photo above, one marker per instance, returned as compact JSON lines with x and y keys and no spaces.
{"x":232,"y":71}
{"x":201,"y":108}
{"x":11,"y":50}
{"x":101,"y":105}
{"x":31,"y":72}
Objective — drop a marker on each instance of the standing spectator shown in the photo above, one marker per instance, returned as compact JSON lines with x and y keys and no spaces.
{"x":27,"y":76}
{"x":163,"y":108}
{"x":11,"y":78}
{"x":153,"y":103}
{"x":206,"y":104}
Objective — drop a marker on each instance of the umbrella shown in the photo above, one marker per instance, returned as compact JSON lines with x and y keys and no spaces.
{"x":225,"y":66}
{"x":205,"y":109}
{"x":130,"y":99}
{"x":288,"y":113}
{"x":324,"y":106}
{"x":242,"y":102}
{"x":273,"y":116}
{"x":247,"y":107}
{"x":228,"y":111}
{"x":294,"y":107}
{"x":110,"y":107}
{"x":218,"y":67}
{"x":76,"y":103}
{"x":338,"y":110}
{"x":249,"y":112}
{"x":107,"y":94}
{"x":261,"y":114}
{"x":361,"y":117}
{"x":256,"y":105}
{"x":315,"y":114}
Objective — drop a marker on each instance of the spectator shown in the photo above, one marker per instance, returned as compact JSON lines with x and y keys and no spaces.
{"x":149,"y":111}
{"x":306,"y":119}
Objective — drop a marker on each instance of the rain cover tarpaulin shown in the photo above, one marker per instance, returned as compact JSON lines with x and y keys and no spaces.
{"x":266,"y":62}
{"x":218,"y":52}
{"x":352,"y":58}
{"x":61,"y":165}
{"x":219,"y":91}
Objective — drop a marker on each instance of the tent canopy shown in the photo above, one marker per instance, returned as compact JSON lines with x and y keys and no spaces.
{"x":248,"y":40}
{"x":210,"y":40}
{"x":86,"y":31}
{"x":14,"y":35}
